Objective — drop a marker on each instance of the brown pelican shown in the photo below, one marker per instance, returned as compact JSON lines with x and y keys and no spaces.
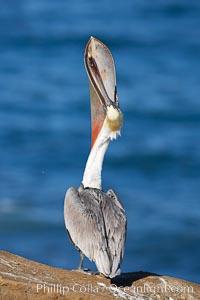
{"x":95,"y":220}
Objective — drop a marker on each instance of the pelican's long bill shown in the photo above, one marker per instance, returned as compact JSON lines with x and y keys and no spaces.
{"x":102,"y":79}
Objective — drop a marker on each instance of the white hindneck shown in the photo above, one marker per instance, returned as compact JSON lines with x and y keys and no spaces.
{"x":92,"y":173}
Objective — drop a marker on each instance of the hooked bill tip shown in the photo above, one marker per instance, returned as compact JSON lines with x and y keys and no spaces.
{"x":92,"y":41}
{"x":91,"y":46}
{"x":92,"y":38}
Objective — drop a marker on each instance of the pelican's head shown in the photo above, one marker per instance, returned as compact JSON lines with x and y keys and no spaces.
{"x":105,"y":109}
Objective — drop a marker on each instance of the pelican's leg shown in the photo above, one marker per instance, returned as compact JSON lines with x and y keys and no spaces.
{"x":80,"y":267}
{"x":82,"y":256}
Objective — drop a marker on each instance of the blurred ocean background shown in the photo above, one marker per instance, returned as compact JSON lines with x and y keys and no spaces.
{"x":45,"y":127}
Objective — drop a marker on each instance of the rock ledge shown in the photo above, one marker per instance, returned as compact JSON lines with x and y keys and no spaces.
{"x":21,"y":278}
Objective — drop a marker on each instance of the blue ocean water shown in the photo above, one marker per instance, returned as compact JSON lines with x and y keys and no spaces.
{"x":45,"y":127}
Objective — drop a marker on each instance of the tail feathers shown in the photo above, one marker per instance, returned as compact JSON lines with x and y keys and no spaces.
{"x":103,"y":263}
{"x":105,"y":266}
{"x":115,"y":267}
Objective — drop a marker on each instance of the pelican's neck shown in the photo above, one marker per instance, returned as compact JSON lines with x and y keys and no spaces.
{"x":92,"y":173}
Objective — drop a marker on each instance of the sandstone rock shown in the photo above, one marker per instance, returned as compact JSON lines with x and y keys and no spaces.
{"x":21,"y":278}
